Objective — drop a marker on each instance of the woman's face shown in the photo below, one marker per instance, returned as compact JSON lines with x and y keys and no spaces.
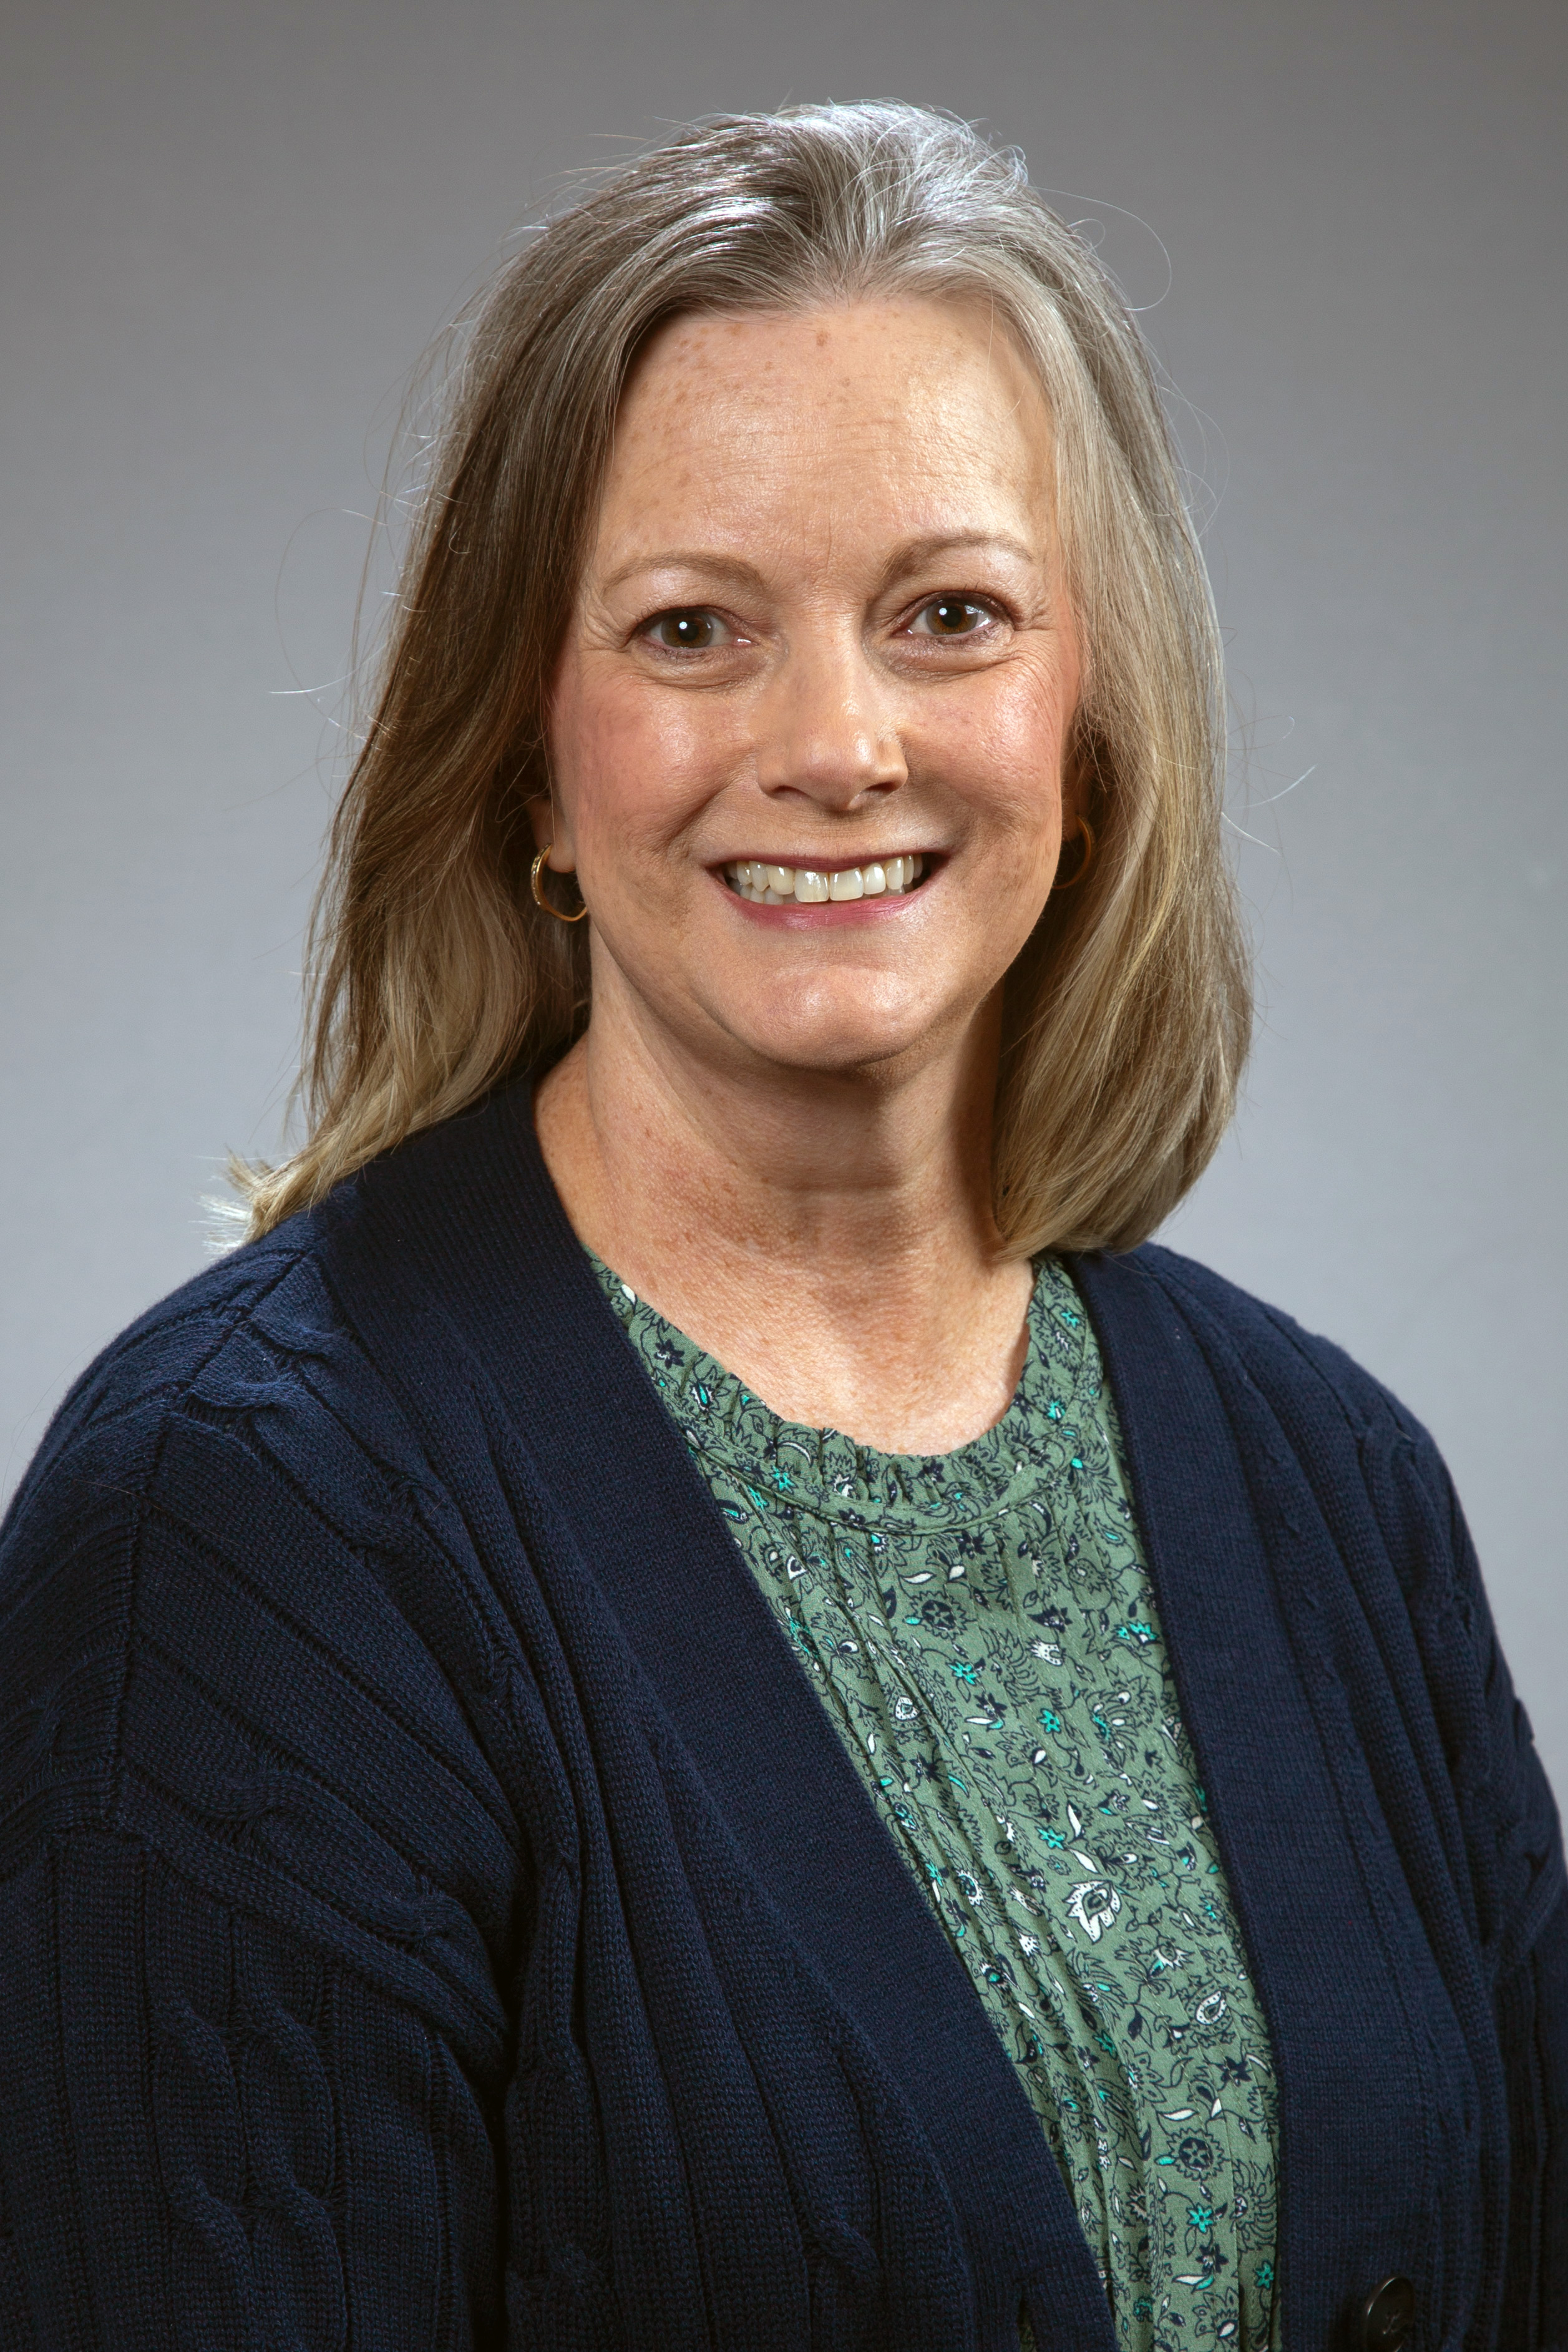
{"x":821,"y":628}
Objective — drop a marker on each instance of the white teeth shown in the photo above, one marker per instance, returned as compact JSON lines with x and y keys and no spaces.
{"x":775,"y":885}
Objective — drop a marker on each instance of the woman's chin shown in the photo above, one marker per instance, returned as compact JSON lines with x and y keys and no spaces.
{"x":848,"y":1046}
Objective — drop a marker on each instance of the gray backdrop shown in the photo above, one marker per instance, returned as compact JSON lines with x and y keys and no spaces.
{"x":229,"y":230}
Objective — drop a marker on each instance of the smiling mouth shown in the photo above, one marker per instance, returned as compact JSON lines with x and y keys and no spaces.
{"x":811,"y":886}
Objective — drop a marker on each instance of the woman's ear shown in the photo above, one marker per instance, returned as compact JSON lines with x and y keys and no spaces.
{"x":1077,"y":788}
{"x":540,"y":818}
{"x":551,"y":832}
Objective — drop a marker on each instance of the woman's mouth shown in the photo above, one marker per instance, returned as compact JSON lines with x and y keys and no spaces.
{"x":809,"y":886}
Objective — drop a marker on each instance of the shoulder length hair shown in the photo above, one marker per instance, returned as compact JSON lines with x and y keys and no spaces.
{"x":431,"y":974}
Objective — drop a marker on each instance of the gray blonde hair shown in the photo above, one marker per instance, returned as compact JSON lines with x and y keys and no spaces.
{"x":433,"y":975}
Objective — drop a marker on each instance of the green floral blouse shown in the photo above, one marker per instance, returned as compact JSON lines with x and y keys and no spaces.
{"x":981,"y":1629}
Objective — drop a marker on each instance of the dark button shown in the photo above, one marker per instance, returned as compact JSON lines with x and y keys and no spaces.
{"x":1385,"y":2320}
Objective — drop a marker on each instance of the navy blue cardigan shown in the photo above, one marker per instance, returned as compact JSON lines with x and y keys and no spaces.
{"x":408,"y":1940}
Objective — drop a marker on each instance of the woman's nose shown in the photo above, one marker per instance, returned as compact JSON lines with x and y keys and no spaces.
{"x":825,"y":728}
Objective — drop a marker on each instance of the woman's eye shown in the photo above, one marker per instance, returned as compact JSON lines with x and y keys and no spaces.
{"x":688,"y":630}
{"x":951,"y":616}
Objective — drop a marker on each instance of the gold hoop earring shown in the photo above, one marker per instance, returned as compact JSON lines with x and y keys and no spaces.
{"x":539,"y":898}
{"x":1086,"y":835}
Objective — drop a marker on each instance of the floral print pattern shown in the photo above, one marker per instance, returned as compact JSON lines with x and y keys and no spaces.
{"x":981,"y":1629}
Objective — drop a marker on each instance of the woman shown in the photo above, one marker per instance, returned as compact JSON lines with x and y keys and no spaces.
{"x":693,"y":1706}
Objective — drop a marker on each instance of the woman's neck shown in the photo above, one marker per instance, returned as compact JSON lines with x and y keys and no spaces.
{"x":829,"y":1239}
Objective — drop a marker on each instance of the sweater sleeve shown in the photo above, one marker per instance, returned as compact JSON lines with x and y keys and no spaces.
{"x":1511,"y":1832}
{"x":1515,"y":1837}
{"x":1508,"y":1844}
{"x":216,"y":2136}
{"x":253,"y":1886}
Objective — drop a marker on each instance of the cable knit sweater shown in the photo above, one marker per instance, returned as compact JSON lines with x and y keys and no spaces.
{"x":407,"y":1940}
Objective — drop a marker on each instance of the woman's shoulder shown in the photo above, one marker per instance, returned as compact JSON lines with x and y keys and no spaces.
{"x":224,"y":1555}
{"x":254,"y":1341}
{"x":1178,"y":1298}
{"x":1286,"y":1395}
{"x":1328,"y":1465}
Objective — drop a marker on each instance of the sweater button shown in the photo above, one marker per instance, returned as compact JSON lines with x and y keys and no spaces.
{"x":1383,"y":2323}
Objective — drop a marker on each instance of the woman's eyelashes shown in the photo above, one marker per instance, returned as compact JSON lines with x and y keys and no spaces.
{"x":954,"y":618}
{"x":689,"y":629}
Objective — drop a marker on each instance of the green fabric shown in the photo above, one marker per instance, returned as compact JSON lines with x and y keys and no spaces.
{"x":981,"y":1629}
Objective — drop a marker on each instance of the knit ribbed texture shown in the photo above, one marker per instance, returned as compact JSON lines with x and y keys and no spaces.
{"x":257,"y":1868}
{"x":389,"y":1958}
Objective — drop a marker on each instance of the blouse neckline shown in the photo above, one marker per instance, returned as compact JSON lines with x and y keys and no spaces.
{"x":824,"y":1469}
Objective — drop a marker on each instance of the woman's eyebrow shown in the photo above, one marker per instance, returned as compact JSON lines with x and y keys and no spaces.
{"x":913,"y":553}
{"x":684,"y":558}
{"x":917,"y":552}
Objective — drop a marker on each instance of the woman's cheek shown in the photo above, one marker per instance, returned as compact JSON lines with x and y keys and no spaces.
{"x":603,"y":762}
{"x":1011,"y":756}
{"x":645,"y":762}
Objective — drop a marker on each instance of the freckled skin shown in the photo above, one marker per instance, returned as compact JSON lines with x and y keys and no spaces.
{"x":852,"y":510}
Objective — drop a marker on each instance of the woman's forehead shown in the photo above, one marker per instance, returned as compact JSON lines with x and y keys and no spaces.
{"x":920,"y":411}
{"x":841,"y":362}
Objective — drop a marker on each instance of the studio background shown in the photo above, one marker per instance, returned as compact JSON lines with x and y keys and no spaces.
{"x":229,"y":231}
